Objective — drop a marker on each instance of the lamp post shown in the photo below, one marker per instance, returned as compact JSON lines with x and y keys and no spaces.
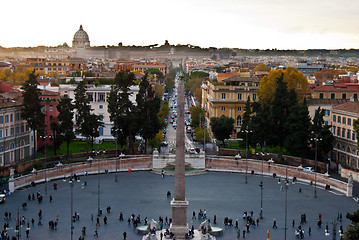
{"x":286,"y":183}
{"x":44,"y":138}
{"x":116,"y":159}
{"x":71,"y":207}
{"x":316,"y":139}
{"x":246,"y":131}
{"x":261,"y":186}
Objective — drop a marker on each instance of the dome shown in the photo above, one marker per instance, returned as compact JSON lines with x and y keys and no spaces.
{"x":81,"y":39}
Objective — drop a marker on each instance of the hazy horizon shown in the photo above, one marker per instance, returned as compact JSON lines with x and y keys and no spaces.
{"x":255,"y":24}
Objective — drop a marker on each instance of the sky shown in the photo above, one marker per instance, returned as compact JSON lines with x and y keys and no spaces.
{"x":249,"y":24}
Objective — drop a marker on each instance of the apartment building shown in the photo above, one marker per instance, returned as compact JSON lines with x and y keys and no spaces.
{"x":16,"y":138}
{"x":230,"y":98}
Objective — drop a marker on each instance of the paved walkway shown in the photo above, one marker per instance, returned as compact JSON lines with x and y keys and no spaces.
{"x":144,"y":193}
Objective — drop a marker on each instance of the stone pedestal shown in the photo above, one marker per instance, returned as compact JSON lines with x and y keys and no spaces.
{"x":11,"y":181}
{"x":179,"y":226}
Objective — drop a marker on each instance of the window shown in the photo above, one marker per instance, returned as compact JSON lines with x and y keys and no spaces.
{"x":17,"y":117}
{"x":6,"y":118}
{"x":27,"y":127}
{"x":101,"y":117}
{"x":22,"y":128}
{"x":334,"y":118}
{"x":344,"y":120}
{"x":0,"y":133}
{"x":6,"y":132}
{"x":332,"y":95}
{"x":325,"y":123}
{"x":348,"y":134}
{"x":344,"y":96}
{"x":11,"y":118}
{"x":326,"y":112}
{"x":355,"y":96}
{"x":349,"y":121}
{"x":43,"y":109}
{"x":343,"y":133}
{"x":239,"y":96}
{"x":254,"y":96}
{"x":12,"y":131}
{"x":239,"y":109}
{"x":90,"y":97}
{"x":223,"y":96}
{"x":239,"y":121}
{"x":101,"y":97}
{"x":100,"y":107}
{"x":17,"y":130}
{"x":321,"y":95}
{"x":100,"y":130}
{"x":223,"y":108}
{"x":334,"y":128}
{"x":51,"y":108}
{"x":1,"y":119}
{"x":339,"y":119}
{"x":338,"y":132}
{"x":353,"y":136}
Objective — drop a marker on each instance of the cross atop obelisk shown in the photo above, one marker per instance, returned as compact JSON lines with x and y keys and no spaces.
{"x":179,"y":204}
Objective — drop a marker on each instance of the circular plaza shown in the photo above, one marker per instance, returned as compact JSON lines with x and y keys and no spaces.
{"x":144,"y":193}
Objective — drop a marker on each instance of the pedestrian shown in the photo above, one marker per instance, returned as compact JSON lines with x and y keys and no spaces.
{"x":340,"y":217}
{"x":32,"y":222}
{"x":91,"y":217}
{"x":161,"y":236}
{"x":96,"y":233}
{"x":244,"y":233}
{"x":215,"y":219}
{"x":121,"y":216}
{"x":163,"y":173}
{"x":274,"y":224}
{"x":29,"y":198}
{"x":239,"y":233}
{"x":236,"y":226}
{"x":27,"y":232}
{"x":50,"y":198}
{"x":40,"y":214}
{"x":257,"y":221}
{"x":39,"y":223}
{"x":293,"y":223}
{"x":194,"y":215}
{"x":124,"y":235}
{"x":105,"y":220}
{"x":57,"y":217}
{"x":83,"y":231}
{"x":97,"y":221}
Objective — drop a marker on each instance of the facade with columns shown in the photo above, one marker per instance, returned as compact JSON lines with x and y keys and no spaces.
{"x":98,"y":100}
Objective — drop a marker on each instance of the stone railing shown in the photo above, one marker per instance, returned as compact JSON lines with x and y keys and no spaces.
{"x":134,"y":162}
{"x":222,"y":163}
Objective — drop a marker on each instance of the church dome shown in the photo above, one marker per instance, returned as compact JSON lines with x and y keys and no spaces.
{"x":81,"y":39}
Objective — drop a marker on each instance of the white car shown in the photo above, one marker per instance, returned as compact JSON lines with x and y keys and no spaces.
{"x":192,"y":151}
{"x":308,"y":169}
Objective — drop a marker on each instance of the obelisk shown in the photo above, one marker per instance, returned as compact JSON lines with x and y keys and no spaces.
{"x":179,"y":226}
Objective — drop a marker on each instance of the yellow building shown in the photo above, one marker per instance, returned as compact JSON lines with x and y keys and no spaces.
{"x":229,"y":98}
{"x":345,"y":145}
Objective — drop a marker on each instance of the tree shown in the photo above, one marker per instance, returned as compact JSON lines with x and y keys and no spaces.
{"x":55,"y":129}
{"x":202,"y":134}
{"x":148,"y":107}
{"x":31,"y":110}
{"x":279,"y":113}
{"x":82,"y":105}
{"x":294,"y":79}
{"x":262,"y":68}
{"x":199,"y":74}
{"x":352,"y":232}
{"x":159,"y":90}
{"x":66,"y":129}
{"x":298,"y":128}
{"x":156,"y":141}
{"x":122,"y":110}
{"x":198,"y":117}
{"x":169,"y":83}
{"x":356,"y":128}
{"x":163,"y":113}
{"x":261,"y":122}
{"x":222,"y":127}
{"x":93,"y":123}
{"x":321,"y":131}
{"x":193,"y":83}
{"x":158,"y":73}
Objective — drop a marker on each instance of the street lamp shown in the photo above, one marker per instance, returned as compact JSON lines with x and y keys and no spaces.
{"x":116,"y":159}
{"x":98,"y":185}
{"x":71,"y":216}
{"x":286,"y":183}
{"x":316,"y":139}
{"x":261,"y":186}
{"x":246,"y":131}
{"x":44,"y":138}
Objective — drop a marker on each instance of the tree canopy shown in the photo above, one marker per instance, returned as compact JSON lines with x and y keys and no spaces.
{"x":352,"y":232}
{"x":262,"y":68}
{"x":66,"y":131}
{"x":222,"y":127}
{"x":294,"y":79}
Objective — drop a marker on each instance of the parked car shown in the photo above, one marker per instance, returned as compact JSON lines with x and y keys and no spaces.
{"x":308,"y":169}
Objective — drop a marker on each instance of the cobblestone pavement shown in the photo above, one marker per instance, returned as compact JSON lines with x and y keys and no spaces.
{"x":144,"y":193}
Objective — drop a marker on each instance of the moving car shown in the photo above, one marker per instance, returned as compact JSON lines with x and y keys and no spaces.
{"x":192,"y":151}
{"x":2,"y":198}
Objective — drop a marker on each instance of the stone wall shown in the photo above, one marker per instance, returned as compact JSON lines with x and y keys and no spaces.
{"x":344,"y":172}
{"x":196,"y":160}
{"x":135,"y":162}
{"x":222,"y":163}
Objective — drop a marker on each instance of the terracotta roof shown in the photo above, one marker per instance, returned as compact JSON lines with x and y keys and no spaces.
{"x":237,"y":78}
{"x":351,"y":106}
{"x":337,"y":87}
{"x":326,"y":101}
{"x":51,"y":93}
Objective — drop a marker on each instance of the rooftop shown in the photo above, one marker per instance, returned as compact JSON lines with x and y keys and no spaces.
{"x":351,"y":106}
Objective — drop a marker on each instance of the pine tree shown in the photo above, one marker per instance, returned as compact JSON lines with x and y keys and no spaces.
{"x":148,"y":106}
{"x":31,"y":110}
{"x":222,"y":127}
{"x":65,"y":108}
{"x":261,"y":123}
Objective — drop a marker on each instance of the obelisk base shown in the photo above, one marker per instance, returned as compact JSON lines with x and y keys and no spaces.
{"x":179,"y":226}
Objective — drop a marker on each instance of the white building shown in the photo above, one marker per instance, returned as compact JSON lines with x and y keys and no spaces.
{"x":98,"y":100}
